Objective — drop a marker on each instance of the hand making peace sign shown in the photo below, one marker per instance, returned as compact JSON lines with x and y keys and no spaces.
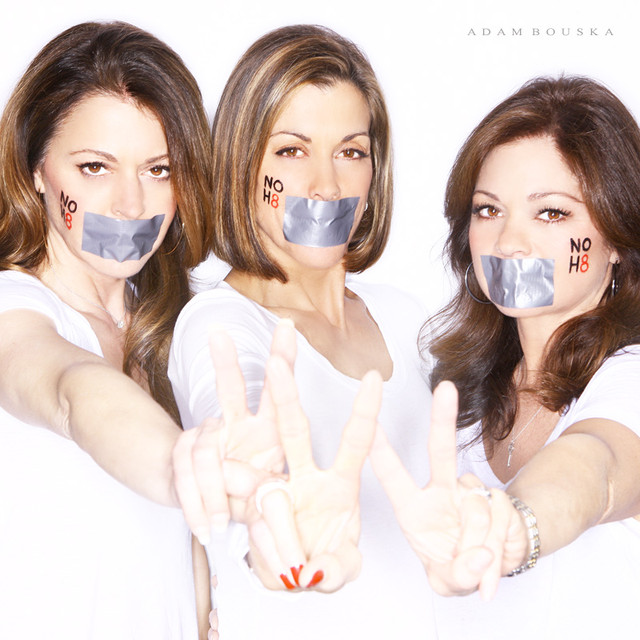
{"x":305,"y":529}
{"x":465,"y":536}
{"x":322,"y":504}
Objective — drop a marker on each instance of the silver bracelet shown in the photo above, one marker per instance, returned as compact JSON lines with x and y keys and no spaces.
{"x":532,"y":533}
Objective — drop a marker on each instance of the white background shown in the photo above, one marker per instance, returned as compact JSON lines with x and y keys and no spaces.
{"x":438,"y":78}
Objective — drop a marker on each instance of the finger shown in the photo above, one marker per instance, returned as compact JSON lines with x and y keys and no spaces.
{"x":266,"y":408}
{"x":208,"y":453}
{"x":501,"y":508}
{"x":475,"y":513}
{"x":277,"y":512}
{"x":229,"y":379}
{"x":468,"y":568}
{"x":189,"y":487}
{"x":292,"y":422}
{"x":265,"y":559}
{"x":283,"y":342}
{"x":359,"y":431}
{"x":328,"y":572}
{"x":442,"y":436}
{"x":241,"y":479}
{"x":391,"y":473}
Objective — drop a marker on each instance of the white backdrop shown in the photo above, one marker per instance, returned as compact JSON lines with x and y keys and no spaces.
{"x":442,"y":66}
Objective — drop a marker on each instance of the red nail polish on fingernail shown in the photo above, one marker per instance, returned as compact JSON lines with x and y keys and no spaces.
{"x":295,"y":572}
{"x":286,"y":581}
{"x":317,"y":577}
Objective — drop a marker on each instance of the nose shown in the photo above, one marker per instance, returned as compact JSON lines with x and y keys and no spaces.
{"x":128,"y":198}
{"x":513,"y":239}
{"x":324,"y":182}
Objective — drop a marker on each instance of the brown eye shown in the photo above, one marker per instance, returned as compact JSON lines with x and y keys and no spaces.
{"x":159,"y":171}
{"x":486,"y":211}
{"x":92,"y":168}
{"x":289,"y":152}
{"x":353,"y":154}
{"x":552,"y":215}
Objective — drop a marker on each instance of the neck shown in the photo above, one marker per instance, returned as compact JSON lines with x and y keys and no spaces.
{"x":321,"y":292}
{"x":533,"y":341}
{"x":87,"y":292}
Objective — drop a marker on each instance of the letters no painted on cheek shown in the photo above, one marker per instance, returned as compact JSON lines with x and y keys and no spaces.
{"x":67,"y":208}
{"x":581,"y":262}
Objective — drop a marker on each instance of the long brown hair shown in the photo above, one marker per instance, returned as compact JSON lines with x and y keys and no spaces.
{"x":474,"y":344}
{"x":113,"y":59}
{"x":257,"y":91}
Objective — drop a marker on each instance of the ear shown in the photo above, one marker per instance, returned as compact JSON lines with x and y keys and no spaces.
{"x":38,"y":181}
{"x":614,"y":258}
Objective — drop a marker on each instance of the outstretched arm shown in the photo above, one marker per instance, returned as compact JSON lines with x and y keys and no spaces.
{"x":467,"y":538}
{"x":49,"y":382}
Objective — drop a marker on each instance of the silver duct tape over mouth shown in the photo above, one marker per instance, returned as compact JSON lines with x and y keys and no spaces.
{"x":119,"y":240}
{"x":318,"y":223}
{"x":519,"y":283}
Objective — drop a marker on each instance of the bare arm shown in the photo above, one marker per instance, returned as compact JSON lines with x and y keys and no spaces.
{"x":202,"y":580}
{"x":48,"y":382}
{"x":466,"y":542}
{"x":589,"y":475}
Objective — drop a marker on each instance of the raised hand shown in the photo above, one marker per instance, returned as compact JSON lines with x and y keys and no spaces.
{"x":321,"y":504}
{"x":466,"y":536}
{"x":219,"y":464}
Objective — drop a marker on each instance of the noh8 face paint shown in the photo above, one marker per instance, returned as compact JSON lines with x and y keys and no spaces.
{"x":318,"y":223}
{"x":119,"y":240}
{"x":519,"y":283}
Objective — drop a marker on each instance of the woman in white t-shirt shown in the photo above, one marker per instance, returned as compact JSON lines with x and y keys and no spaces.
{"x":303,"y":191}
{"x":542,"y":342}
{"x":103,"y":196}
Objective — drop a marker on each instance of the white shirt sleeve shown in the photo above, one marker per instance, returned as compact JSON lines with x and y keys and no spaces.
{"x":612,"y":393}
{"x":191,"y":370}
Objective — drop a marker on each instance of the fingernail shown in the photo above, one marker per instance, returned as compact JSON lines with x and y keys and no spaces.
{"x":286,"y":581}
{"x":219,"y":522}
{"x":286,"y":322}
{"x":295,"y":572}
{"x":317,"y":577}
{"x":203,"y":536}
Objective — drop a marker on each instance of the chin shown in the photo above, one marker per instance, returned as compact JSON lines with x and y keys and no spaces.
{"x":318,"y":257}
{"x":519,"y":312}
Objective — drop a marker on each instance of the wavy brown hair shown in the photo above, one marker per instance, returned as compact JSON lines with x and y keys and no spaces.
{"x":255,"y":95}
{"x":474,"y":344}
{"x":121,"y":60}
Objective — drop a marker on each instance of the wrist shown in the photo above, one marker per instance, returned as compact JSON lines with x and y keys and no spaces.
{"x":532,"y":534}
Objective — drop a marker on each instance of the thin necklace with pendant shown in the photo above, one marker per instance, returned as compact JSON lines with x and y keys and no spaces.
{"x":119,"y":323}
{"x":512,"y":443}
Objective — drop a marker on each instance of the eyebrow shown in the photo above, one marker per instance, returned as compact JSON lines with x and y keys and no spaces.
{"x":112,"y":158}
{"x":533,"y":196}
{"x":304,"y":138}
{"x":539,"y":196}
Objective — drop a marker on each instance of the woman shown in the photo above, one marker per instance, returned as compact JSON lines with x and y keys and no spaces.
{"x":542,"y":343}
{"x":302,"y":167}
{"x":105,"y":188}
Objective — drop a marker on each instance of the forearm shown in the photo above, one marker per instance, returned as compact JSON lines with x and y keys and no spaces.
{"x":202,"y":585}
{"x":576,"y":482}
{"x":121,"y":427}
